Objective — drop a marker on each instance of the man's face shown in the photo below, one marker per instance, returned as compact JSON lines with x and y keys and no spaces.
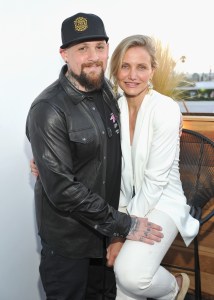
{"x":87,"y":63}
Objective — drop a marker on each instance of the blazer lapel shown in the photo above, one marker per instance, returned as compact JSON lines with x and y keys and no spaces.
{"x":127,"y":170}
{"x":140,"y":146}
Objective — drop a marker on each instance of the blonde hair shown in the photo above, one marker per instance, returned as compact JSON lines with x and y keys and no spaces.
{"x":165,"y":80}
{"x":131,"y":41}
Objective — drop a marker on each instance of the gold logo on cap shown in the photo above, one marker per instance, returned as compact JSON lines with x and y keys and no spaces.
{"x":80,"y":24}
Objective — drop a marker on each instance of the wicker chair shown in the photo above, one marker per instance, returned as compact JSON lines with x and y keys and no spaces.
{"x":197,"y":176}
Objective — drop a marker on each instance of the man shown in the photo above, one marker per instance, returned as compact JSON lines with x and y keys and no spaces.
{"x":73,"y":127}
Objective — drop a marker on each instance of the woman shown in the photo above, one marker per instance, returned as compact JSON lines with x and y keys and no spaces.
{"x":151,"y":184}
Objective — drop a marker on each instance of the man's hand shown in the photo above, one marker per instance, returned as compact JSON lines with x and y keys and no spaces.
{"x":113,"y":250}
{"x":181,"y":125}
{"x":144,"y":231}
{"x":33,"y":168}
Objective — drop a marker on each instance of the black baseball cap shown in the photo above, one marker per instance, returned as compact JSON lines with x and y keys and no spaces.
{"x":82,"y":27}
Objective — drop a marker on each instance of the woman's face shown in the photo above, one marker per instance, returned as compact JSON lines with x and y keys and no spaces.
{"x":135,"y":71}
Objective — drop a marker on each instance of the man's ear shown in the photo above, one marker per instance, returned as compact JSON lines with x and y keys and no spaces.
{"x":63,"y":53}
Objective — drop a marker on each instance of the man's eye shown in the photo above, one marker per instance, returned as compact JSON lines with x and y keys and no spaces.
{"x":82,"y":49}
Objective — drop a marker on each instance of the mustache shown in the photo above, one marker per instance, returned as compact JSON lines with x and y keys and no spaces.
{"x":97,"y":64}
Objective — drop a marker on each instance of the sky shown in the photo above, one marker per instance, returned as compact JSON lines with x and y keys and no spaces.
{"x":30,"y":32}
{"x":185,"y":25}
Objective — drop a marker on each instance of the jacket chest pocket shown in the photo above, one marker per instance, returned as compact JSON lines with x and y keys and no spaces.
{"x":84,"y":143}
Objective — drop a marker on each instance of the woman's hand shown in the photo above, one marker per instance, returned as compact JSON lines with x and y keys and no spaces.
{"x":33,"y":168}
{"x":113,"y":250}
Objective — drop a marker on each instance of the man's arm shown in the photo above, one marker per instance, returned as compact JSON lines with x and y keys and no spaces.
{"x":51,"y":150}
{"x":151,"y":232}
{"x":181,"y":125}
{"x":51,"y":147}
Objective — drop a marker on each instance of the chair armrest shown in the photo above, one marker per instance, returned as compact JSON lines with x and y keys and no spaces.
{"x":206,"y":218}
{"x":196,"y":212}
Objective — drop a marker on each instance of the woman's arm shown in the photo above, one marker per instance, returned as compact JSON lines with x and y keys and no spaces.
{"x":33,"y":168}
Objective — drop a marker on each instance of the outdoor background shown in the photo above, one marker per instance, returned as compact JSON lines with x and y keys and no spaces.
{"x":29,"y":61}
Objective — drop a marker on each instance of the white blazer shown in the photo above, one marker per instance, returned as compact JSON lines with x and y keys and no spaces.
{"x":151,"y":164}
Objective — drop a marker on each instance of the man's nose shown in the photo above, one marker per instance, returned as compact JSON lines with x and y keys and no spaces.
{"x":92,"y":54}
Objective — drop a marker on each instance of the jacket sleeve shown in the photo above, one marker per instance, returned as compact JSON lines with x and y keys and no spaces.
{"x":47,"y":133}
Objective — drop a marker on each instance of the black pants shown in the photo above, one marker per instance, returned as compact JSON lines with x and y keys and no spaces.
{"x":75,"y":279}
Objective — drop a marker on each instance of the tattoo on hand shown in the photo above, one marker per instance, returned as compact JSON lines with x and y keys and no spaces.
{"x":134,"y":225}
{"x":141,"y":239}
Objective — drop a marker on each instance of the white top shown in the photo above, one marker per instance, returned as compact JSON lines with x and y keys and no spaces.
{"x":151,"y":164}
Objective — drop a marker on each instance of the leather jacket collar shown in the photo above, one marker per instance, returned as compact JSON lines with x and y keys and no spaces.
{"x":75,"y":94}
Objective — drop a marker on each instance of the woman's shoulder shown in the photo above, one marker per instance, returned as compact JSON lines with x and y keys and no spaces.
{"x":164,"y":103}
{"x":163,"y":99}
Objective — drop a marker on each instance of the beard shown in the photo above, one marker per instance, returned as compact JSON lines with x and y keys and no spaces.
{"x":91,"y":81}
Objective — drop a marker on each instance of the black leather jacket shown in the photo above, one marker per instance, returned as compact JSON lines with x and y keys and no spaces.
{"x":68,"y":142}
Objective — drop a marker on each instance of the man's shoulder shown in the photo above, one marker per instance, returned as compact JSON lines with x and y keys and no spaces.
{"x":48,"y":95}
{"x":112,"y":95}
{"x":108,"y":87}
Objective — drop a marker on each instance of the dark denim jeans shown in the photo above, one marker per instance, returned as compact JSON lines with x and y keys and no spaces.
{"x":74,"y":279}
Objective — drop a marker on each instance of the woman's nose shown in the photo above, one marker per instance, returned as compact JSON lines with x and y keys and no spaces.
{"x":132,"y":74}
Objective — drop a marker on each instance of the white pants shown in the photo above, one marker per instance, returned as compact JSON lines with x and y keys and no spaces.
{"x":137,"y":267}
